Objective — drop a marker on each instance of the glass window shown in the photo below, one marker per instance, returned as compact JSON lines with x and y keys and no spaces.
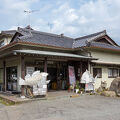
{"x":98,"y":72}
{"x":112,"y":72}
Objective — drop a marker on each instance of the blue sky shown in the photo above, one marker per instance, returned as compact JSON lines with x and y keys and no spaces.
{"x":74,"y":18}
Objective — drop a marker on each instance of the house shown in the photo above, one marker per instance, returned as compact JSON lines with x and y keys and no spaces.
{"x":29,"y":50}
{"x":6,"y":36}
{"x":101,"y":46}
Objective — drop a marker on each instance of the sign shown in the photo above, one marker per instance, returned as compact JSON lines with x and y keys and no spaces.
{"x":72,"y":79}
{"x":29,"y":70}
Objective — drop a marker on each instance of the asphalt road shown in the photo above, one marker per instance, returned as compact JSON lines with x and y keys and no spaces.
{"x":82,"y":108}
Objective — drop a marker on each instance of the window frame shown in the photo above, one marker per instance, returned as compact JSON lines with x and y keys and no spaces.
{"x":113,"y":72}
{"x":100,"y":72}
{"x":2,"y":43}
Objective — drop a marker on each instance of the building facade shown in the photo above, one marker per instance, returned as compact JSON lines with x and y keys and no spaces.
{"x":28,"y":50}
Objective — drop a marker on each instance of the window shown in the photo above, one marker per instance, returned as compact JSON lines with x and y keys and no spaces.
{"x":112,"y":72}
{"x":1,"y":43}
{"x":98,"y":72}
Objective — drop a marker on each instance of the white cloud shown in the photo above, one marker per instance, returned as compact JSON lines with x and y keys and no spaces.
{"x":88,"y":17}
{"x":92,"y":16}
{"x":13,"y":10}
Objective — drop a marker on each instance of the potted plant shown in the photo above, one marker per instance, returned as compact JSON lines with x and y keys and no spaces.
{"x":82,"y":90}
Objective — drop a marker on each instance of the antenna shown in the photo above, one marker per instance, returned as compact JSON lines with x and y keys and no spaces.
{"x":28,"y":12}
{"x":50,"y":25}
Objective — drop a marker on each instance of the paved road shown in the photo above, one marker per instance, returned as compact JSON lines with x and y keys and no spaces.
{"x":1,"y":105}
{"x":82,"y":108}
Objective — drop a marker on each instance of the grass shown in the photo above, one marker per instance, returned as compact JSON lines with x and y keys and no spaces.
{"x":6,"y":102}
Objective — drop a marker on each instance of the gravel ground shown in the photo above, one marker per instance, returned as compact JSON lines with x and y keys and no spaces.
{"x":82,"y":108}
{"x":1,"y":105}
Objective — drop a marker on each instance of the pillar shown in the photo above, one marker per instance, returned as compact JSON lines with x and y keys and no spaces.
{"x":45,"y":70}
{"x":22,"y":74}
{"x":45,"y":64}
{"x":81,"y":69}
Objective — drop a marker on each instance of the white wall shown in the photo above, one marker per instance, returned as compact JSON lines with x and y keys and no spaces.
{"x":104,"y":76}
{"x":105,"y":57}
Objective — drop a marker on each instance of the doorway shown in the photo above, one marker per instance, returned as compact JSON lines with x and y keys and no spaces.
{"x":11,"y":78}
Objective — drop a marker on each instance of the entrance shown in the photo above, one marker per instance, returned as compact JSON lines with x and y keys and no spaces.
{"x":57,"y":71}
{"x":57,"y":74}
{"x":11,"y":78}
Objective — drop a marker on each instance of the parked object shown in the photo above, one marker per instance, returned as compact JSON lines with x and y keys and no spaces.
{"x":38,"y":81}
{"x":88,"y":80}
{"x":115,"y":86}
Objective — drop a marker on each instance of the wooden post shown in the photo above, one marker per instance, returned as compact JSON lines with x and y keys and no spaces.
{"x":45,"y":70}
{"x":4,"y":76}
{"x":68,"y":83}
{"x":88,"y":65}
{"x":80,"y":69}
{"x":45,"y":65}
{"x":22,"y":74}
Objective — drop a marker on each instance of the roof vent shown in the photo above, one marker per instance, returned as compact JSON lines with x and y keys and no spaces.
{"x":28,"y":27}
{"x":62,"y":35}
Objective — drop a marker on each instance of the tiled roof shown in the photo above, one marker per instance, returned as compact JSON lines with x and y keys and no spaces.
{"x":104,"y":45}
{"x":45,"y":38}
{"x":9,"y":32}
{"x":92,"y":36}
{"x":82,"y":41}
{"x":32,"y":36}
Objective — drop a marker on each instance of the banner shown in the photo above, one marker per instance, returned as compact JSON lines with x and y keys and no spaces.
{"x":72,"y":79}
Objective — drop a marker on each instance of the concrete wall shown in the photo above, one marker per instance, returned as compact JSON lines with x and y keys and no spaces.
{"x":104,"y":76}
{"x":106,"y":57}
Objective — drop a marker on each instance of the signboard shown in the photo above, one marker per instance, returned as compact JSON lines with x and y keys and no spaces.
{"x":72,"y":79}
{"x":29,"y":70}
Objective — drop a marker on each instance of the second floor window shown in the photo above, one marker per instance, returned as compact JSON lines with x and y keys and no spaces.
{"x":1,"y":43}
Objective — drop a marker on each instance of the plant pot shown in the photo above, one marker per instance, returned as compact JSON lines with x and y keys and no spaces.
{"x":77,"y":90}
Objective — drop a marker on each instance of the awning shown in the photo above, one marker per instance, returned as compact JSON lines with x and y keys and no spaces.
{"x":48,"y":53}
